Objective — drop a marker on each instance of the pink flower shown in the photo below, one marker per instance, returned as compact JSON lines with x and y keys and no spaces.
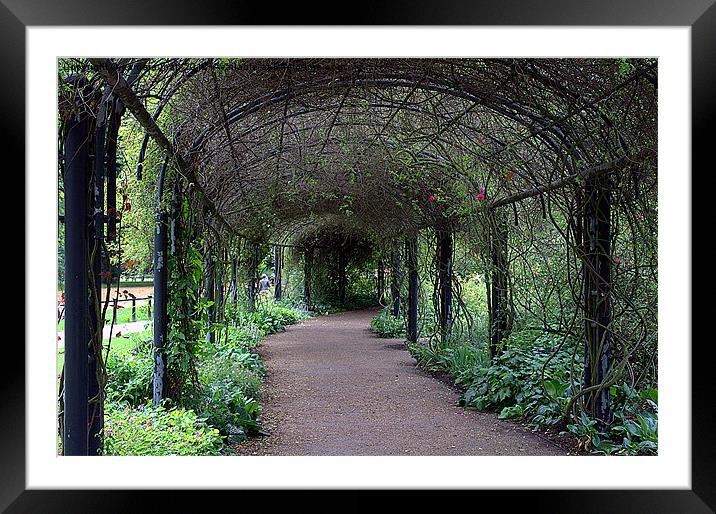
{"x":431,"y":198}
{"x":617,"y":260}
{"x":481,"y":195}
{"x":640,"y":216}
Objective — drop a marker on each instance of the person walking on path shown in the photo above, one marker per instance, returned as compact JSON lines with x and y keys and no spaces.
{"x":264,"y":284}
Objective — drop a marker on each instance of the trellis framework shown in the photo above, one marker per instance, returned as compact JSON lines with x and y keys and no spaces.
{"x":285,"y":151}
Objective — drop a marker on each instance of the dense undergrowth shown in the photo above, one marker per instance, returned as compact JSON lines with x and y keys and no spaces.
{"x":223,"y":408}
{"x":532,"y":381}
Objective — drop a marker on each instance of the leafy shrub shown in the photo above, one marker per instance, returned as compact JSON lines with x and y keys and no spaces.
{"x":227,"y":398}
{"x":460,"y":361}
{"x":230,"y":376}
{"x":236,"y":339}
{"x":225,"y":407}
{"x":129,"y":377}
{"x":268,"y":318}
{"x":245,"y":371}
{"x":285,"y":315}
{"x":457,"y":357}
{"x":360,"y":299}
{"x":427,"y":355}
{"x":148,"y":430}
{"x":634,"y":429}
{"x":325,"y":308}
{"x":230,"y":371}
{"x":385,"y":325}
{"x":512,"y":383}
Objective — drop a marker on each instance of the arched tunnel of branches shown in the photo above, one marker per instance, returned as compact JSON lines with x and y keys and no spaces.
{"x":474,"y":199}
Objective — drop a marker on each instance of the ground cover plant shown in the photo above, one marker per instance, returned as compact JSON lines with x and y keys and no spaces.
{"x":223,"y":409}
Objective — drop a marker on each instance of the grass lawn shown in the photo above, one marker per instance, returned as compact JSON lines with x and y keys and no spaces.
{"x":120,"y":346}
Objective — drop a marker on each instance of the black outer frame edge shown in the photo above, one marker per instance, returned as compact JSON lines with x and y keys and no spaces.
{"x":700,"y":13}
{"x":395,"y":12}
{"x":703,"y":98}
{"x":12,"y":138}
{"x":533,"y":501}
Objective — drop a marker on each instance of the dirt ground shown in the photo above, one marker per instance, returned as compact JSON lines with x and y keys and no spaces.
{"x":138,"y":291}
{"x":334,"y":388}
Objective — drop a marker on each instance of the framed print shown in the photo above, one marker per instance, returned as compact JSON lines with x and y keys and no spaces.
{"x":407,"y":185}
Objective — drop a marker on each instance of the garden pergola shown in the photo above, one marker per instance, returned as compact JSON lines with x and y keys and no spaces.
{"x":335,"y":153}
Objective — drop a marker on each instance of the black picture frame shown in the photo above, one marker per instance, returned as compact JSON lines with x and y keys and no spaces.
{"x":699,"y":15}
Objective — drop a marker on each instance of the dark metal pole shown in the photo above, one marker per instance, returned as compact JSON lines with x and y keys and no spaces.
{"x":209,"y":294}
{"x":77,"y":309}
{"x":278,"y":270}
{"x":412,"y":263}
{"x":341,"y":276}
{"x":499,"y":297}
{"x":381,"y":281}
{"x":445,"y":249}
{"x":159,"y":383}
{"x":234,"y":283}
{"x":95,"y":408}
{"x":112,"y":133}
{"x":160,"y":308}
{"x":597,"y":270}
{"x":307,"y":271}
{"x":220,"y":288}
{"x":253,"y":271}
{"x":114,"y":311}
{"x":395,"y":284}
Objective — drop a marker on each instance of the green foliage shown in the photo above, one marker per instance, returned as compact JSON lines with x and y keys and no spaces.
{"x":512,"y":383}
{"x":229,"y":377}
{"x":460,"y":360}
{"x":231,"y":385}
{"x":231,"y":371}
{"x":268,"y":318}
{"x":147,"y":430}
{"x":187,"y":319}
{"x":457,"y":356}
{"x":634,"y":430}
{"x":385,"y":325}
{"x":129,"y":377}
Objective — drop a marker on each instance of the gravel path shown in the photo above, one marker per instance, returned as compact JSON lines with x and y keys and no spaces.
{"x":334,"y":388}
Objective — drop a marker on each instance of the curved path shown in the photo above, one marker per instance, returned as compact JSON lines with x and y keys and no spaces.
{"x":334,"y":388}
